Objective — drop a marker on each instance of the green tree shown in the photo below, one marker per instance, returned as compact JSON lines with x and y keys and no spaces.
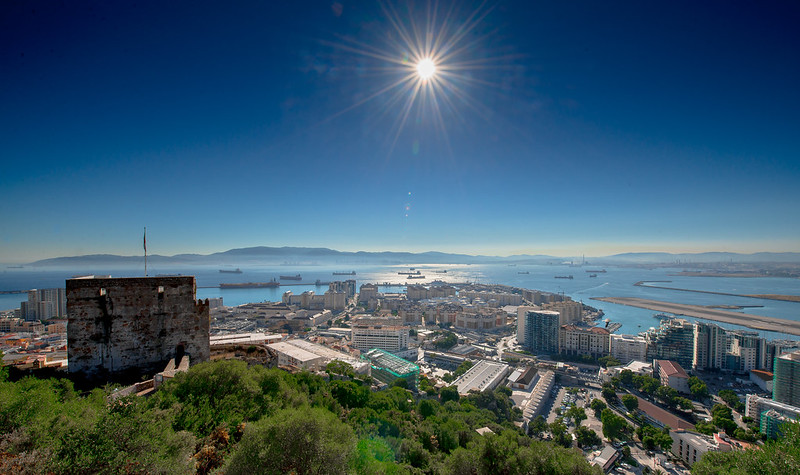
{"x":586,"y":437}
{"x":375,"y":456}
{"x":537,"y":426}
{"x":448,"y":340}
{"x":667,"y":394}
{"x":212,"y":394}
{"x":427,"y":408}
{"x":646,"y":384}
{"x":349,"y":393}
{"x":597,"y":406}
{"x":778,"y":456}
{"x":698,"y":388}
{"x":607,"y":361}
{"x":614,"y":426}
{"x":732,"y":399}
{"x":630,"y":401}
{"x":401,"y":383}
{"x":560,"y":433}
{"x":729,"y":396}
{"x":124,"y":437}
{"x":341,"y":368}
{"x":722,"y":417}
{"x":463,"y":368}
{"x":684,"y":403}
{"x":303,"y":441}
{"x":449,"y":393}
{"x":577,"y":414}
{"x":608,"y":393}
{"x":706,"y":428}
{"x":626,"y":377}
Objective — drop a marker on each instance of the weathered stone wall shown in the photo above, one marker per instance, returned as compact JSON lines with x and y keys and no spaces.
{"x":134,"y":324}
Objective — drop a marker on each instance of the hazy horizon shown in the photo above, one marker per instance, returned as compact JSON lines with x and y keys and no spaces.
{"x":559,"y":129}
{"x":565,"y":256}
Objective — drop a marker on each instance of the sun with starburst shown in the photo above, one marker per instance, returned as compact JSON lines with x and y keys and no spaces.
{"x":423,"y":66}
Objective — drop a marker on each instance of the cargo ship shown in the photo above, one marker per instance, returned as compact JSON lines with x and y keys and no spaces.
{"x":352,"y":272}
{"x":523,"y":272}
{"x":291,"y":277}
{"x":563,"y":277}
{"x":250,"y":285}
{"x":601,"y":271}
{"x":415,"y":277}
{"x":226,"y":271}
{"x":409,"y":273}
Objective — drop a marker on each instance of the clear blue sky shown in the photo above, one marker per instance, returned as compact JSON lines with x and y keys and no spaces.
{"x":556,"y":127}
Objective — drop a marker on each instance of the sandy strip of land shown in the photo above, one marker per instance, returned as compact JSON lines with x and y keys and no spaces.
{"x":756,"y":322}
{"x":787,"y":298}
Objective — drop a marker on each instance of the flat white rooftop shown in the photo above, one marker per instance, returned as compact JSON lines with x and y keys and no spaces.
{"x":300,"y":354}
{"x":482,"y":376}
{"x":254,"y":338}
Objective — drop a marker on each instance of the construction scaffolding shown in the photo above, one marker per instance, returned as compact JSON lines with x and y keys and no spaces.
{"x":387,"y":368}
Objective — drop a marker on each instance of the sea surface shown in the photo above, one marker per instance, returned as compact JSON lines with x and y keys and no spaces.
{"x":615,"y":282}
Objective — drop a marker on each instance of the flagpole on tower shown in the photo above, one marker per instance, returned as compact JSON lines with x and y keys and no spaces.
{"x":144,"y":243}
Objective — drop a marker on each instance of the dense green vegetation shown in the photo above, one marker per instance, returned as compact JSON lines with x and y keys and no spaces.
{"x":778,"y":456}
{"x":732,"y":399}
{"x":226,"y":416}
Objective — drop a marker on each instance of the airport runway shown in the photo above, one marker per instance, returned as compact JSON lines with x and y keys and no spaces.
{"x":756,"y":322}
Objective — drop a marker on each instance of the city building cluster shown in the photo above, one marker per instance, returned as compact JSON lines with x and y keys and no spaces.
{"x":101,"y":327}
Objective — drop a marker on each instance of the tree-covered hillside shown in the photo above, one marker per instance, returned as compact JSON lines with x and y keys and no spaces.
{"x":227,"y":417}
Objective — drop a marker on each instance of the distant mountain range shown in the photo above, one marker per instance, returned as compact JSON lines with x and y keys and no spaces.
{"x":313,"y":255}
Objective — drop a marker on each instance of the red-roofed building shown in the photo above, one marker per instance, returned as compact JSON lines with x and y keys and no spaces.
{"x":672,"y":374}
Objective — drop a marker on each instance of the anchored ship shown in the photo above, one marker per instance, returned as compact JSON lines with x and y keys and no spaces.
{"x":250,"y":285}
{"x":226,"y":271}
{"x":291,"y":277}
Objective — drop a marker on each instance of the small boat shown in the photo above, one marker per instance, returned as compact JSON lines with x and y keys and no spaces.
{"x":592,"y":275}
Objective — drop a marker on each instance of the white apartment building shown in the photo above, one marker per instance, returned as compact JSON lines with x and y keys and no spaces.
{"x":625,"y":348}
{"x":366,"y":336}
{"x":755,"y":405}
{"x":690,"y":446}
{"x":569,"y":311}
{"x":501,"y":298}
{"x":576,"y":341}
{"x":308,"y":355}
{"x":710,"y":346}
{"x":481,"y":319}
